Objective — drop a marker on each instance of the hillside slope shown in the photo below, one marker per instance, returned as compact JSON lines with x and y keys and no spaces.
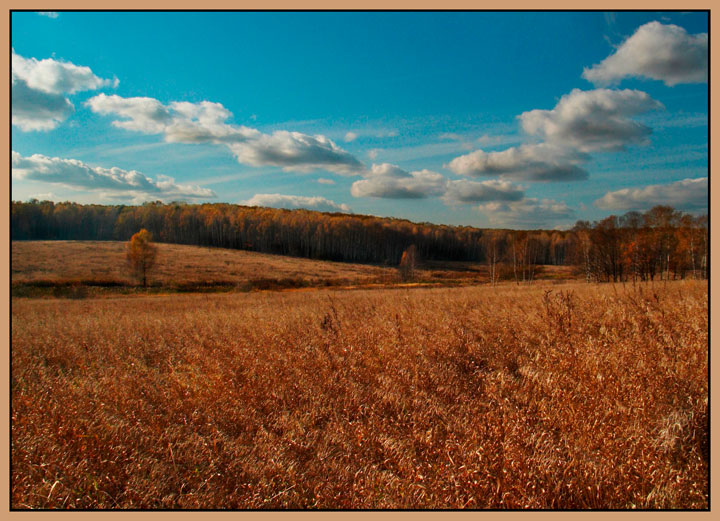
{"x":50,"y":264}
{"x":104,"y":261}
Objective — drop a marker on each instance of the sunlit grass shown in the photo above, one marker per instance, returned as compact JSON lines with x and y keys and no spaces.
{"x":544,"y":396}
{"x":79,"y":269}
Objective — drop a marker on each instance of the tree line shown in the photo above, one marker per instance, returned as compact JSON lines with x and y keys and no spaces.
{"x":303,"y":233}
{"x":661,"y":242}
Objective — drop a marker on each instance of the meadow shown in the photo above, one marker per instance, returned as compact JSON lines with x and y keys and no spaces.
{"x":533,"y":396}
{"x":102,"y":263}
{"x":78,"y":269}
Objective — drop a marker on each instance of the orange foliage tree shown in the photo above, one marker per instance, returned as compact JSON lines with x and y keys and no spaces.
{"x":407,"y":263}
{"x":141,"y":254}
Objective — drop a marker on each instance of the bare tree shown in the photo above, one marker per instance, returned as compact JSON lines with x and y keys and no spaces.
{"x":493,"y":243}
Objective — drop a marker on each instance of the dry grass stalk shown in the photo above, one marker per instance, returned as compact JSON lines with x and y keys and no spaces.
{"x":488,"y":397}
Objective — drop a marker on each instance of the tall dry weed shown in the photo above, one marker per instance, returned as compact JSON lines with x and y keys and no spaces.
{"x":490,"y":397}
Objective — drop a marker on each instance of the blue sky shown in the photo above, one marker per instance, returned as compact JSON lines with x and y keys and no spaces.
{"x":520,"y":120}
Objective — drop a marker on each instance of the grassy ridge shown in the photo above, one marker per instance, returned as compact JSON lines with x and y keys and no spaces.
{"x":572,"y":396}
{"x":92,"y":268}
{"x":87,"y":261}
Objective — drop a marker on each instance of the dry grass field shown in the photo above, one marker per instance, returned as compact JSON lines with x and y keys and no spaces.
{"x":177,"y":264}
{"x":541,"y":396}
{"x":47,"y":264}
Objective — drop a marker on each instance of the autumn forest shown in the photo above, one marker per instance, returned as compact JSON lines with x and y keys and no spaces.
{"x":659,"y":243}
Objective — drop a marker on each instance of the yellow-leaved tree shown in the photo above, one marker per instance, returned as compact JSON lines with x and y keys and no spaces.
{"x":407,"y":263}
{"x":141,"y":254}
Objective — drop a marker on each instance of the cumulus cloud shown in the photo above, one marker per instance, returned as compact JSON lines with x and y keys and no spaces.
{"x":324,"y":181}
{"x":541,"y":162}
{"x":55,"y":77}
{"x":526,"y":213}
{"x":596,"y":120}
{"x":296,"y":201}
{"x":49,"y":14}
{"x":464,"y":191}
{"x":205,"y":122}
{"x":37,"y":110}
{"x":350,"y":136}
{"x":116,"y":181}
{"x":688,"y":194}
{"x":656,"y":51}
{"x":40,"y":89}
{"x":392,"y":182}
{"x":145,"y":115}
{"x":296,"y":151}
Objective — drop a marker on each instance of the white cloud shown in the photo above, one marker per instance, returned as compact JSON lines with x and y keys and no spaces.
{"x":145,"y":115}
{"x":390,"y":181}
{"x":296,"y":151}
{"x":593,"y":120}
{"x":453,"y":136}
{"x":37,"y":110}
{"x":541,"y":162}
{"x":205,"y":122}
{"x":49,"y":14}
{"x":40,"y":89}
{"x":324,"y":181}
{"x":688,"y":194}
{"x":122,"y":183}
{"x":660,"y":52}
{"x":526,"y":213}
{"x":370,"y":132}
{"x":55,"y":77}
{"x":45,"y":196}
{"x":296,"y":201}
{"x":126,"y":198}
{"x":464,"y":191}
{"x":372,"y":154}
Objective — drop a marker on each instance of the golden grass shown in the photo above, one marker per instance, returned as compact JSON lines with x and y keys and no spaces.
{"x":87,"y":260}
{"x":47,"y":264}
{"x":563,"y":396}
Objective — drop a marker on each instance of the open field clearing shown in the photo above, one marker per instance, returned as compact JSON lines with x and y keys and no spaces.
{"x":177,"y":264}
{"x":541,"y":396}
{"x":39,"y":267}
